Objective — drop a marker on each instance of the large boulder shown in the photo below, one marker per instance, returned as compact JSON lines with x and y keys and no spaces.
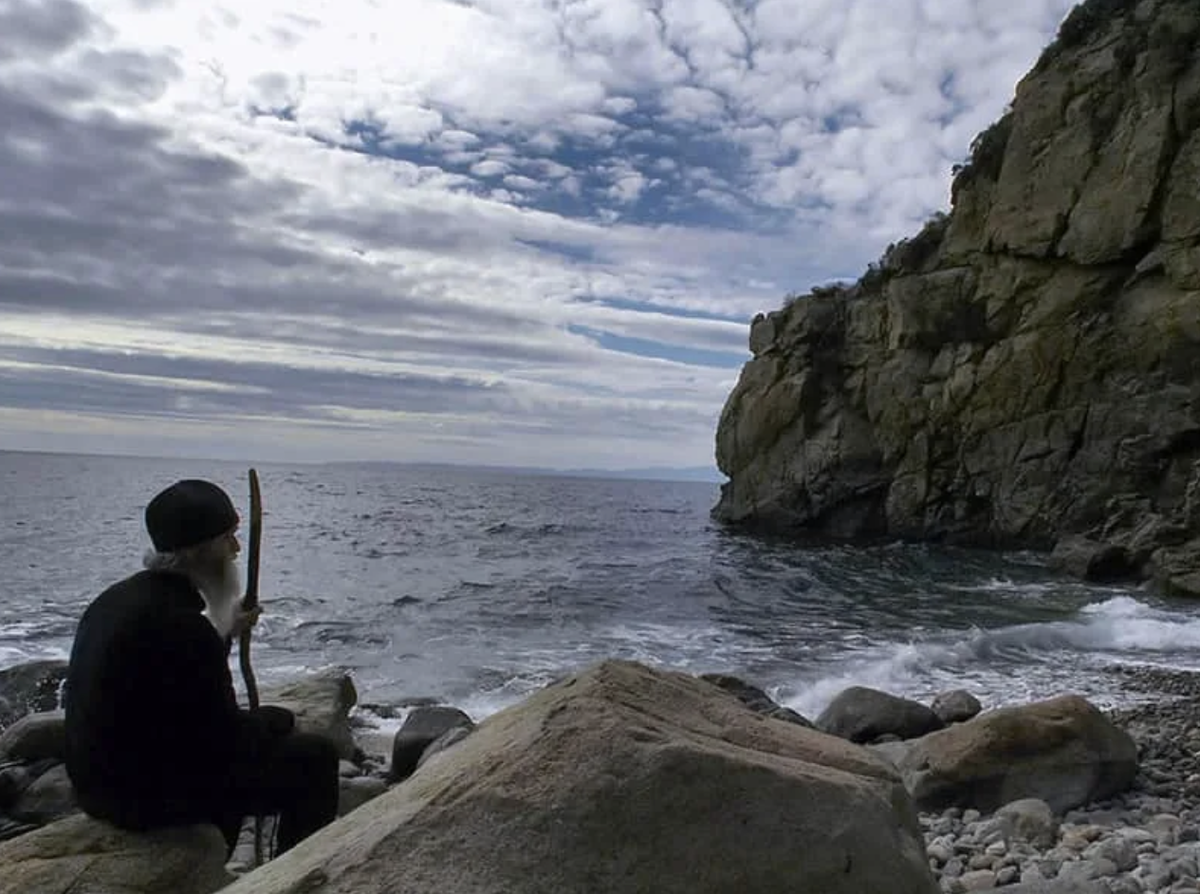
{"x":1023,"y":371}
{"x":80,"y":854}
{"x":322,"y":702}
{"x":624,"y":779}
{"x":30,"y":687}
{"x":1063,"y":751}
{"x":861,"y":714}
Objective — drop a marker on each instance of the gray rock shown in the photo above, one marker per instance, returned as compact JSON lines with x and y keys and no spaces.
{"x":79,"y":854}
{"x":47,"y":798}
{"x":357,"y":791}
{"x":322,"y":703}
{"x":1029,"y":819}
{"x":1058,"y":886}
{"x":1062,"y":751}
{"x":1092,"y":560}
{"x":755,"y":699}
{"x":421,"y":728}
{"x":862,"y":715}
{"x":1120,"y":851}
{"x":35,"y":737}
{"x":978,"y":880}
{"x":30,"y":687}
{"x":446,"y":740}
{"x":956,"y":706}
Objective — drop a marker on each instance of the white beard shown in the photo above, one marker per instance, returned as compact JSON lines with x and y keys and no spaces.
{"x":222,"y":592}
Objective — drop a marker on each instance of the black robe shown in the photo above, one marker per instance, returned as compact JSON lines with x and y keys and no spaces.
{"x":152,"y":720}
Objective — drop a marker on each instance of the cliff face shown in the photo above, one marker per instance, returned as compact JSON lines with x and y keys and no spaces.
{"x":1025,"y":371}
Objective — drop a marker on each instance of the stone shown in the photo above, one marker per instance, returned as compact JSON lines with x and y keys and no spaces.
{"x":1029,"y":819}
{"x":29,"y":688}
{"x":78,"y":855}
{"x":450,"y":737}
{"x":978,"y":880}
{"x":47,"y":798}
{"x":1062,"y":751}
{"x":755,"y":699}
{"x":36,"y":737}
{"x":321,"y":702}
{"x":623,"y":778}
{"x":421,"y":728}
{"x":356,"y":791}
{"x":955,"y":706}
{"x":1058,"y":886}
{"x":1092,"y":560}
{"x":861,"y":714}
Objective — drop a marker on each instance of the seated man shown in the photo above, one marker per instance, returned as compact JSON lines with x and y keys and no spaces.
{"x":154,"y":733}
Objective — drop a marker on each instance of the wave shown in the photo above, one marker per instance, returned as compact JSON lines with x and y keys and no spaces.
{"x":1009,"y":663}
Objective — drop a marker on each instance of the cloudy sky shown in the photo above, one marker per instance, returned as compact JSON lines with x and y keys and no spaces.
{"x":524,"y":232}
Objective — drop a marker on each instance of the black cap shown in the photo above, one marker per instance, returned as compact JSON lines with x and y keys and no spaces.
{"x":189,"y":512}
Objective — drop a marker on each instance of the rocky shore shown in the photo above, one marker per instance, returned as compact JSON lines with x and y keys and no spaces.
{"x":1145,"y":840}
{"x":1054,"y":797}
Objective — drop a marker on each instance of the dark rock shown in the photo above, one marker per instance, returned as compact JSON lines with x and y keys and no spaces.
{"x":28,"y":688}
{"x":956,"y":706}
{"x":755,"y":699}
{"x":868,"y":715}
{"x":11,"y":828}
{"x":420,"y":729}
{"x":1091,"y":560}
{"x":450,"y":737}
{"x":36,"y":737}
{"x":48,"y":798}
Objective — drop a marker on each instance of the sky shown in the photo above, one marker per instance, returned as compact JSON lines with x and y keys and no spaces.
{"x":512,"y":232}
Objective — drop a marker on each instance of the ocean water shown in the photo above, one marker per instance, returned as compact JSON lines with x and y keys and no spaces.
{"x":475,"y":588}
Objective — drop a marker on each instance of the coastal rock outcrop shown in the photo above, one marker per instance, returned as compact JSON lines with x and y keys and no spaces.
{"x":1026,"y":369}
{"x":623,"y":778}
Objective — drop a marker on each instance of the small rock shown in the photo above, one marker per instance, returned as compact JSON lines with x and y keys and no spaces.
{"x":956,"y":706}
{"x":982,"y":880}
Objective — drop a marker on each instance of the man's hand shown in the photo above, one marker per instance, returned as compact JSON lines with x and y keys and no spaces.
{"x":244,"y":620}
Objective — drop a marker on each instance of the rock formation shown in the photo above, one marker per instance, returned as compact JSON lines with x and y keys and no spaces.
{"x":1026,"y":370}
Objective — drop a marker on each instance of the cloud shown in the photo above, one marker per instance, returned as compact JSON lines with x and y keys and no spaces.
{"x":499,"y":230}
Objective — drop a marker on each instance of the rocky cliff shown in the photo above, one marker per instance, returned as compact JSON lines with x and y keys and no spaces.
{"x":1026,"y":370}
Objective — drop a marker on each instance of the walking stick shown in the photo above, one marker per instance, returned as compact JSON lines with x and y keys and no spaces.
{"x":249,"y":602}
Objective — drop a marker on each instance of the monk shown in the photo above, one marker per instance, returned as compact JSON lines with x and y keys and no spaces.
{"x":155,"y":736}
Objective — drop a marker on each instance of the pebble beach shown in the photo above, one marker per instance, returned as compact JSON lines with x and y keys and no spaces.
{"x":1144,"y":841}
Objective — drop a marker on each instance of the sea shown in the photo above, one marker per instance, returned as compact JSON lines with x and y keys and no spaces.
{"x":476,"y":587}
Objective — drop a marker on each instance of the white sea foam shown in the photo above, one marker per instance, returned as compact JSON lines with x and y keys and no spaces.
{"x":1012,"y":664}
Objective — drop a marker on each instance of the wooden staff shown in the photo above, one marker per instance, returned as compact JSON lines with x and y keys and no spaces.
{"x":249,"y":603}
{"x":250,"y":600}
